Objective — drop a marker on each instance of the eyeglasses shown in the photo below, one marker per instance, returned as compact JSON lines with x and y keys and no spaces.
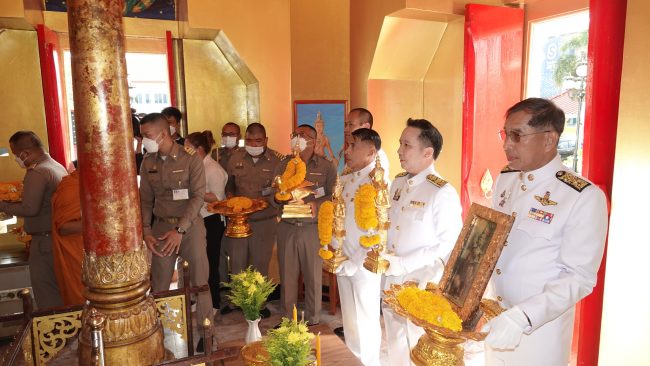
{"x":515,"y":136}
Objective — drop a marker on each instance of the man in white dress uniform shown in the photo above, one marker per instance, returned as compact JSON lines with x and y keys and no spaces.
{"x":425,"y":217}
{"x":359,"y":288}
{"x":555,"y":246}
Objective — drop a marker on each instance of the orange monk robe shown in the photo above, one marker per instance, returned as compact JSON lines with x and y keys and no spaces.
{"x":68,"y":249}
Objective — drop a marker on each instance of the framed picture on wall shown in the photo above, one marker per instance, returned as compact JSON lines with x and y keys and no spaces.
{"x":474,"y":257}
{"x":328,"y":118}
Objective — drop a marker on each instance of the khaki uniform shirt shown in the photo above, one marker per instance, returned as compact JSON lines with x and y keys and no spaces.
{"x":253,"y":179}
{"x":322,"y":173}
{"x":39,"y":184}
{"x":173,"y":187}
{"x":222,"y":155}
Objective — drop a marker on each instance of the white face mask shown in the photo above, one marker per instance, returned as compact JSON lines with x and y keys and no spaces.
{"x":254,"y":150}
{"x":150,"y":145}
{"x":229,"y":141}
{"x":299,"y":142}
{"x":172,"y":130}
{"x":20,"y":161}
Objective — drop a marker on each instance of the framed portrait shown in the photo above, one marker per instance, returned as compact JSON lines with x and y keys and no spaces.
{"x":474,"y":257}
{"x":328,"y":118}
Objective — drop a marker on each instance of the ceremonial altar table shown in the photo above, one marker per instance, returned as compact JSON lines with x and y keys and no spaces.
{"x":334,"y":351}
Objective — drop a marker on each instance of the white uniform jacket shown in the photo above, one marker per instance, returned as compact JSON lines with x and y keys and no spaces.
{"x":551,"y":258}
{"x":425,"y":219}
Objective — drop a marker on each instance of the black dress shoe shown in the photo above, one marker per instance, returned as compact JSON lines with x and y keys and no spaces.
{"x":199,"y":346}
{"x":265,"y":313}
{"x":339,"y":332}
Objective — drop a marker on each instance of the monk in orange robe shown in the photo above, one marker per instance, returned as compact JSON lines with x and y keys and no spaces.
{"x":67,"y":240}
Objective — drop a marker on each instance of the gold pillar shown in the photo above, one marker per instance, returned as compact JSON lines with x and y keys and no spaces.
{"x":116,"y":265}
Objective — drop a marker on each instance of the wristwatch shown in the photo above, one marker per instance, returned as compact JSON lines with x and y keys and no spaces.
{"x":180,"y":231}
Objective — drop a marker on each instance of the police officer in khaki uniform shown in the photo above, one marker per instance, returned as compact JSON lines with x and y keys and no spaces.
{"x":172,"y":189}
{"x":298,"y":242}
{"x":230,"y":135}
{"x":250,"y":174}
{"x":41,"y":179}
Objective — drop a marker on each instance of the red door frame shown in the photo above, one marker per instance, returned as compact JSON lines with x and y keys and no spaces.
{"x":170,"y":68}
{"x":493,"y":62}
{"x":605,"y":63}
{"x":55,"y":118}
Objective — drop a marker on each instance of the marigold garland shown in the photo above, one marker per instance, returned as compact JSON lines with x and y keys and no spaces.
{"x":239,"y":203}
{"x":294,"y":174}
{"x":365,"y":214}
{"x":430,"y":307}
{"x":325,"y":222}
{"x":369,"y":241}
{"x":11,"y":191}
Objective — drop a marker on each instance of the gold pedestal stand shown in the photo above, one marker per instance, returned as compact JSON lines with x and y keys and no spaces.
{"x":237,"y":225}
{"x":375,"y":263}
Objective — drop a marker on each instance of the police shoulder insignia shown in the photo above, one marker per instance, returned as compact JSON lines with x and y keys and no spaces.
{"x":279,"y":155}
{"x":437,"y":181}
{"x":402,"y":174}
{"x":506,"y":169}
{"x":347,"y":170}
{"x":572,"y":180}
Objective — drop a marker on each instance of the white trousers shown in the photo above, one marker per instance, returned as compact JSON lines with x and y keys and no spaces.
{"x":360,"y":301}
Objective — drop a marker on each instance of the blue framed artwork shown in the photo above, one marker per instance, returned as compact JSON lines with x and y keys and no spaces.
{"x":149,"y":9}
{"x":328,"y":118}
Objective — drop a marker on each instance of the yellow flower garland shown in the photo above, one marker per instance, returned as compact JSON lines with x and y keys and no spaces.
{"x":430,"y":307}
{"x":294,"y":174}
{"x":369,"y":241}
{"x":325,"y":221}
{"x":239,"y":203}
{"x":365,"y":214}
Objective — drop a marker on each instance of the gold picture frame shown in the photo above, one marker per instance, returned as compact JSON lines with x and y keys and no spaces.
{"x":474,"y":257}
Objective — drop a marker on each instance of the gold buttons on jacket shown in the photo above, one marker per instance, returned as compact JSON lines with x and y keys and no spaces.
{"x":498,"y":271}
{"x":523,"y":187}
{"x":397,"y":227}
{"x":531,"y":177}
{"x":514,"y":214}
{"x":499,"y":298}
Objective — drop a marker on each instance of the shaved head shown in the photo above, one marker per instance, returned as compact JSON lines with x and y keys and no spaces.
{"x":25,"y":140}
{"x":156,"y":121}
{"x":256,"y":129}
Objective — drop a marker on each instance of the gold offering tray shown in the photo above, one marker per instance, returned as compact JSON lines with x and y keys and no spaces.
{"x":237,"y":225}
{"x":439,"y":346}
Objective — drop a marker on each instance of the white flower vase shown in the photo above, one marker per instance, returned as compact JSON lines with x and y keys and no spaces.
{"x":253,"y":333}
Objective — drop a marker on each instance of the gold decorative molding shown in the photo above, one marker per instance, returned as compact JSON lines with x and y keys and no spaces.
{"x":130,"y":323}
{"x":51,"y":334}
{"x":171,"y":312}
{"x":115,"y":269}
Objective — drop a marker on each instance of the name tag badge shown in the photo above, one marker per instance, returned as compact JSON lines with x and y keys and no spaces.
{"x":181,"y":194}
{"x":416,"y":204}
{"x":267,"y":191}
{"x":319,"y":192}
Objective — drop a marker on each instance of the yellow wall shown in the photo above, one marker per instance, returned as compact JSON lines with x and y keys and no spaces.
{"x":260,"y":31}
{"x":626,"y":320}
{"x":21,"y":94}
{"x":320,"y":49}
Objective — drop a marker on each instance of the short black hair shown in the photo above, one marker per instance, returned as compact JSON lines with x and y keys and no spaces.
{"x":544,"y":113}
{"x":311,"y":128}
{"x":26,"y":139}
{"x":135,"y":124}
{"x":429,"y":135}
{"x":256,"y":127}
{"x":366,"y":134}
{"x":172,"y":112}
{"x":233,"y":124}
{"x":153,"y":117}
{"x":364,"y":114}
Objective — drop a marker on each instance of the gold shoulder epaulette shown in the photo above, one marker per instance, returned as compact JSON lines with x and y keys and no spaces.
{"x":347,"y":170}
{"x":572,"y":180}
{"x":402,"y":174}
{"x":506,"y":169}
{"x":189,"y":150}
{"x":279,"y":155}
{"x":437,"y":181}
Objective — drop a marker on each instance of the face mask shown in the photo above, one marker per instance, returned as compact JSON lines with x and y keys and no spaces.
{"x":254,"y":150}
{"x":172,"y":130}
{"x":20,"y":161}
{"x":229,"y":141}
{"x":150,"y":145}
{"x":299,"y":142}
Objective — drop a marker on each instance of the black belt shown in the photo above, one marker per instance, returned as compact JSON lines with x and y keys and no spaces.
{"x":41,"y":233}
{"x":169,"y":220}
{"x":262,"y":218}
{"x":300,"y":223}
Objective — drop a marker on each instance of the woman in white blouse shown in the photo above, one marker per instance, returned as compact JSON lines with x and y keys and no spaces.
{"x":216,"y":178}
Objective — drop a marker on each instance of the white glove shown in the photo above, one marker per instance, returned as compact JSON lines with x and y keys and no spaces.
{"x":396,"y":267}
{"x":506,"y":329}
{"x":347,"y":268}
